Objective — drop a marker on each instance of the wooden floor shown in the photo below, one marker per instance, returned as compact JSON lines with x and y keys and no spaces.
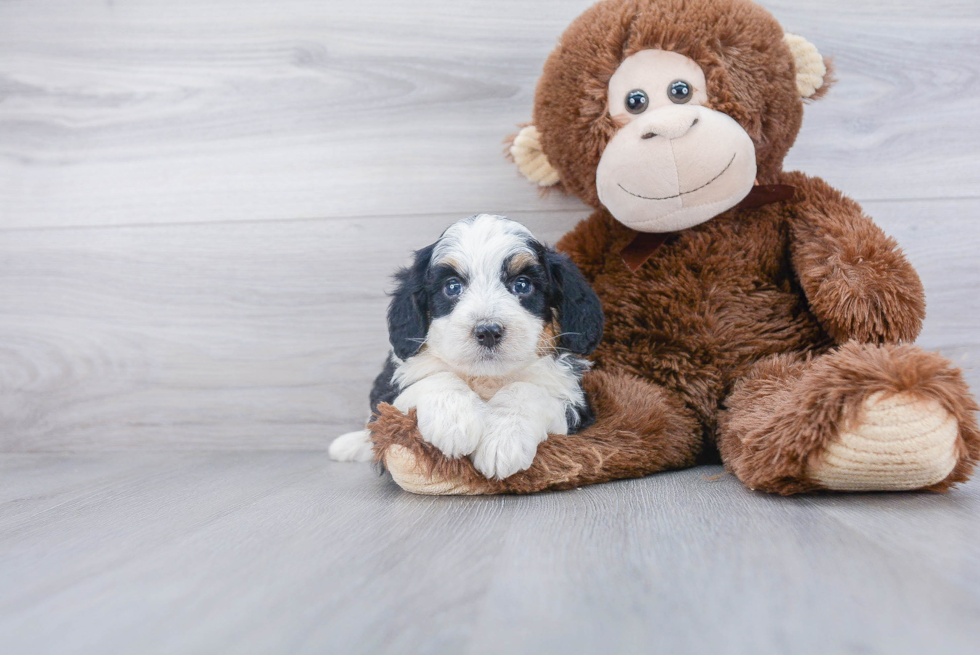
{"x":287,"y":552}
{"x":200,"y":204}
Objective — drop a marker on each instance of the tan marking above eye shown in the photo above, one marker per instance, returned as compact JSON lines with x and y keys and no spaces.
{"x":520,"y":261}
{"x":450,"y":262}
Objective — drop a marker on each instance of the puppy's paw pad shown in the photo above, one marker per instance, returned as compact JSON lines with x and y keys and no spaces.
{"x":352,"y":447}
{"x":899,"y":442}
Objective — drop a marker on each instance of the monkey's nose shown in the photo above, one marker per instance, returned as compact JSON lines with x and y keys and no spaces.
{"x":670,"y":123}
{"x":650,"y":134}
{"x":488,"y":335}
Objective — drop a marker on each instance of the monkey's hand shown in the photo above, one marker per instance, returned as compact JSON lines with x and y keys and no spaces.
{"x":857,"y":281}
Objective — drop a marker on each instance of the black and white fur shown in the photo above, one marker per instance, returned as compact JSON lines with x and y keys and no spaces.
{"x":468,"y":325}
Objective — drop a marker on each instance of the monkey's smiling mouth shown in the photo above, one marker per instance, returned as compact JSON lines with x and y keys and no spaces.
{"x":683,"y":193}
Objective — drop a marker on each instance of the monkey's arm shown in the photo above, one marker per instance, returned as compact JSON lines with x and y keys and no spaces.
{"x":856,"y":279}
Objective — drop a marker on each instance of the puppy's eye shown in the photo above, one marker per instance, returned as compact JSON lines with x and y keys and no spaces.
{"x":453,"y":287}
{"x":679,"y":92}
{"x":522,"y":286}
{"x":637,"y":101}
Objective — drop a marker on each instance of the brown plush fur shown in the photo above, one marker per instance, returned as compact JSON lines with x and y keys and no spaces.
{"x":788,"y":314}
{"x":724,"y":294}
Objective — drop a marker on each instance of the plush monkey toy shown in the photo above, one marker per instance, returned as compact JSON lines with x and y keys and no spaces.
{"x":752,"y":314}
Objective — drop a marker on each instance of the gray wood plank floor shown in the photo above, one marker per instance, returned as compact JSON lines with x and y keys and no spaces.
{"x":288,"y":552}
{"x":201,"y":202}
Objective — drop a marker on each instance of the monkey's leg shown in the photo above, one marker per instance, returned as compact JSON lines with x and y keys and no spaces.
{"x":860,"y":418}
{"x":640,"y":429}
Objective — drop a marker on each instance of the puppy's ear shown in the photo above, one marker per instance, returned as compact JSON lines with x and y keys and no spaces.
{"x":579,"y":310}
{"x":408,"y":313}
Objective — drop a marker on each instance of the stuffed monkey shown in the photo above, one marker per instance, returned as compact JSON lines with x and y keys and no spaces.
{"x":752,"y":314}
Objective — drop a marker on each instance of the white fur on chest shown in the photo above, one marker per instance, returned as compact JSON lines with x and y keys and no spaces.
{"x":555,"y":375}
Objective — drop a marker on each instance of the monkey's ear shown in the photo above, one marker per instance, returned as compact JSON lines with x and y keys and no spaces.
{"x":525,"y":150}
{"x":408,"y":313}
{"x":813,"y":77}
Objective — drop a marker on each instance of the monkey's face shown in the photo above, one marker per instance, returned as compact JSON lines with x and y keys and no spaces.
{"x":665,"y":112}
{"x":674,"y":162}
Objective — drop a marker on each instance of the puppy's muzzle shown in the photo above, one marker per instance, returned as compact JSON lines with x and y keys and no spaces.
{"x":488,"y":335}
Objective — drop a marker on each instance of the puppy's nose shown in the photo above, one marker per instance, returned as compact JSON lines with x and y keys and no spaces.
{"x":489,"y":334}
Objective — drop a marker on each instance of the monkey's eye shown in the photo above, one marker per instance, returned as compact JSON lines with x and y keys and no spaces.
{"x":522,"y":286}
{"x":679,"y":91}
{"x":453,"y":287}
{"x":636,"y":101}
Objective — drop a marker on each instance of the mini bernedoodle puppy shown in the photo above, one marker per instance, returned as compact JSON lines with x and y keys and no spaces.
{"x":485,"y":329}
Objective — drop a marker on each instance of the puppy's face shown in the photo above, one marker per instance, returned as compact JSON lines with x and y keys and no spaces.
{"x":481,"y":297}
{"x":488,"y":296}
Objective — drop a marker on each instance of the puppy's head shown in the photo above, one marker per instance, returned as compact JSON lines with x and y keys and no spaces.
{"x":481,"y":297}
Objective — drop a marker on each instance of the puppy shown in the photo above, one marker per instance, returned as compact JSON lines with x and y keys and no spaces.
{"x":485,"y":327}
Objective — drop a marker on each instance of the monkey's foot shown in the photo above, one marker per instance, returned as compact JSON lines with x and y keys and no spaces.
{"x":897,"y":442}
{"x":860,"y":418}
{"x":419,"y":467}
{"x":409,"y":473}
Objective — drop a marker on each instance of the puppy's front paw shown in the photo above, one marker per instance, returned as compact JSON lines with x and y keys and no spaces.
{"x":508,"y":446}
{"x":451,"y":422}
{"x":352,"y":447}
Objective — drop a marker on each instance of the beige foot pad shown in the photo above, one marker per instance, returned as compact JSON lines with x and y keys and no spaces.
{"x":408,"y":475}
{"x":898,"y":443}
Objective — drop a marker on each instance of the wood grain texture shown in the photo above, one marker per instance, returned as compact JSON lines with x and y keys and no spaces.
{"x":182,"y":111}
{"x":288,"y":552}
